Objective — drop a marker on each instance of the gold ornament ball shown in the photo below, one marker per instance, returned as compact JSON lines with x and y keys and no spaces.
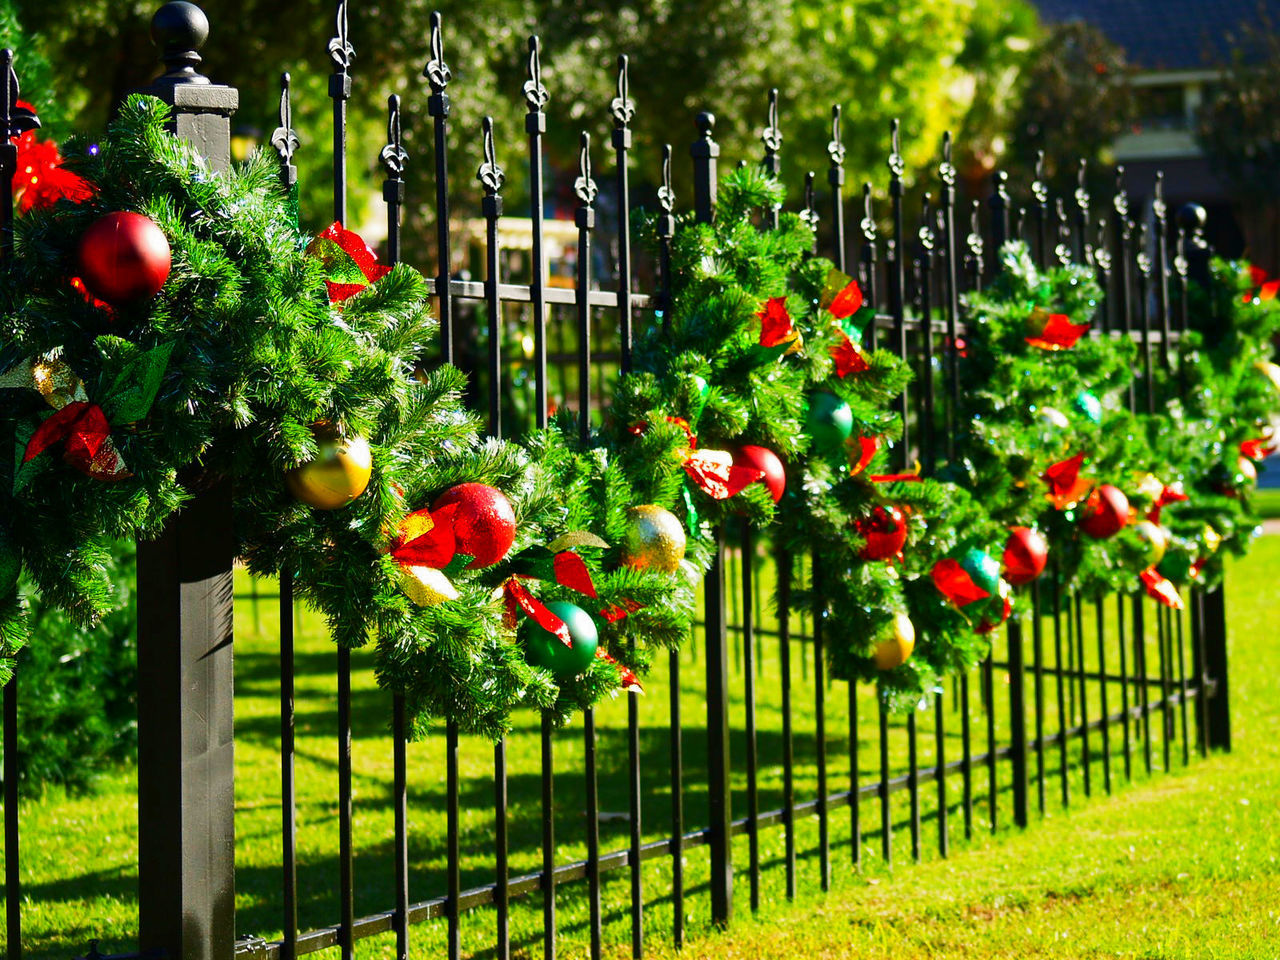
{"x":339,"y":473}
{"x":655,"y":539}
{"x":895,"y":647}
{"x":1154,"y":539}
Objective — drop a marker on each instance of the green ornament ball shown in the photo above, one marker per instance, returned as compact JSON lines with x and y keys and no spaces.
{"x":1176,"y":566}
{"x":1090,"y":406}
{"x":544,"y":649}
{"x":829,"y":421}
{"x":10,"y":562}
{"x":982,"y":568}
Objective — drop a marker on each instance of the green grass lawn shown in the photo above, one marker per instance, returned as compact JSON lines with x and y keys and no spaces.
{"x":1175,"y":865}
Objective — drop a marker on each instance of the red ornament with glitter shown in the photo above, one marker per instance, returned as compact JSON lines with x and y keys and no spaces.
{"x":1105,"y":512}
{"x":484,"y":525}
{"x":766,"y":461}
{"x":885,"y":532}
{"x":124,"y":257}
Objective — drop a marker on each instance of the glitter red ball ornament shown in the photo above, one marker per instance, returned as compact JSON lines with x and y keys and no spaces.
{"x":765,"y":460}
{"x":484,"y":524}
{"x":885,"y":531}
{"x":1105,"y":512}
{"x":1025,"y":554}
{"x":124,"y":257}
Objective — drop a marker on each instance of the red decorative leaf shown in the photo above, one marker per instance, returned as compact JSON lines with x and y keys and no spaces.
{"x":1170,"y":494}
{"x":572,"y":572}
{"x":955,"y":584}
{"x":626,"y":679}
{"x":434,"y":547}
{"x":1059,"y":333}
{"x":89,"y":432}
{"x":847,"y":302}
{"x":518,"y":596}
{"x":351,"y":264}
{"x":1160,"y":588}
{"x":776,"y":325}
{"x":1257,"y":449}
{"x":895,"y":478}
{"x":868,"y":447}
{"x":1066,"y":486}
{"x":618,"y":611}
{"x":849,"y":358}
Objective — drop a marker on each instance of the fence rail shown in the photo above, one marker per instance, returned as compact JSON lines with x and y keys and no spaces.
{"x":916,"y":279}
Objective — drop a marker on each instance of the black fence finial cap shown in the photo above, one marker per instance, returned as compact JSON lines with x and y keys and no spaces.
{"x":180,"y":29}
{"x":1192,"y":217}
{"x":706,"y":123}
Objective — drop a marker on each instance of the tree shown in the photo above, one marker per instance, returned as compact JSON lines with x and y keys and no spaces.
{"x":1076,"y":101}
{"x":1239,"y":131}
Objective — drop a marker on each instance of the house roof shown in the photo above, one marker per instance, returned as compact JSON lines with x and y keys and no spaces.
{"x":1166,"y":34}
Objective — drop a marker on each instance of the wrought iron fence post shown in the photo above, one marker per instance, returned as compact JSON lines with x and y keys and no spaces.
{"x":705,"y":151}
{"x":186,"y":795}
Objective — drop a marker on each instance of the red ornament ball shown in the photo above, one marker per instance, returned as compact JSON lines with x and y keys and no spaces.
{"x":124,"y":257}
{"x":885,"y":530}
{"x":484,"y":524}
{"x":1105,"y":512}
{"x":1025,"y":554}
{"x":764,"y":459}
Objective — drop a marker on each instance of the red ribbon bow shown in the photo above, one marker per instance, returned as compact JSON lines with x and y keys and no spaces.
{"x":41,"y":180}
{"x":362,"y":258}
{"x":847,"y":302}
{"x":849,"y":357}
{"x":83,"y":429}
{"x":954,"y":583}
{"x":1257,"y":449}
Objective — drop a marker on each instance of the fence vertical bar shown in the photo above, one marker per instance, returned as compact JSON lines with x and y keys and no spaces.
{"x":749,"y":693}
{"x":1037,"y":647}
{"x":1121,"y":603}
{"x":771,"y":137}
{"x":186,"y":770}
{"x":951,"y":292}
{"x":14,"y":120}
{"x":940,"y":771}
{"x":1060,"y":675}
{"x":1040,"y":193}
{"x":1086,"y":755}
{"x":1018,"y":720}
{"x":913,"y":783}
{"x":666,"y":225}
{"x":886,"y":818}
{"x":989,"y":702}
{"x":705,"y":152}
{"x":867,"y":226}
{"x":1183,"y":689}
{"x":925,"y":244}
{"x":788,"y":747}
{"x":1105,"y":712}
{"x":622,"y":109}
{"x":491,"y":177}
{"x":1144,"y":314}
{"x":898,"y":281}
{"x":820,"y":729}
{"x":835,"y":178}
{"x":1166,"y":708}
{"x":1142,"y":691}
{"x":1160,"y":218}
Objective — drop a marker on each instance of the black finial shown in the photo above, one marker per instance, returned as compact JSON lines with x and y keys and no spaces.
{"x":1082,"y":192}
{"x":666,"y":195}
{"x":284,"y":139}
{"x":946,"y":170}
{"x":810,"y":212}
{"x":925,"y":233}
{"x":1121,"y":201}
{"x":535,"y":94}
{"x":1102,"y":255}
{"x":835,"y":149}
{"x":17,"y":120}
{"x":180,"y":29}
{"x":897,"y":166}
{"x":394,"y":156}
{"x":584,"y":187}
{"x":1143,"y":258}
{"x":772,"y":135}
{"x":437,"y":71}
{"x":868,"y":223}
{"x":490,"y":174}
{"x":974,"y":239}
{"x":341,"y":52}
{"x":1158,"y":208}
{"x":1192,"y":218}
{"x":622,"y":106}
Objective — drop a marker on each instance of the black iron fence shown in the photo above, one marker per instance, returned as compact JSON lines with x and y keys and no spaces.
{"x":1049,"y":734}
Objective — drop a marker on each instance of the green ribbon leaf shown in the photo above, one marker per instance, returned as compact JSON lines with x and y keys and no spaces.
{"x":134,"y":389}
